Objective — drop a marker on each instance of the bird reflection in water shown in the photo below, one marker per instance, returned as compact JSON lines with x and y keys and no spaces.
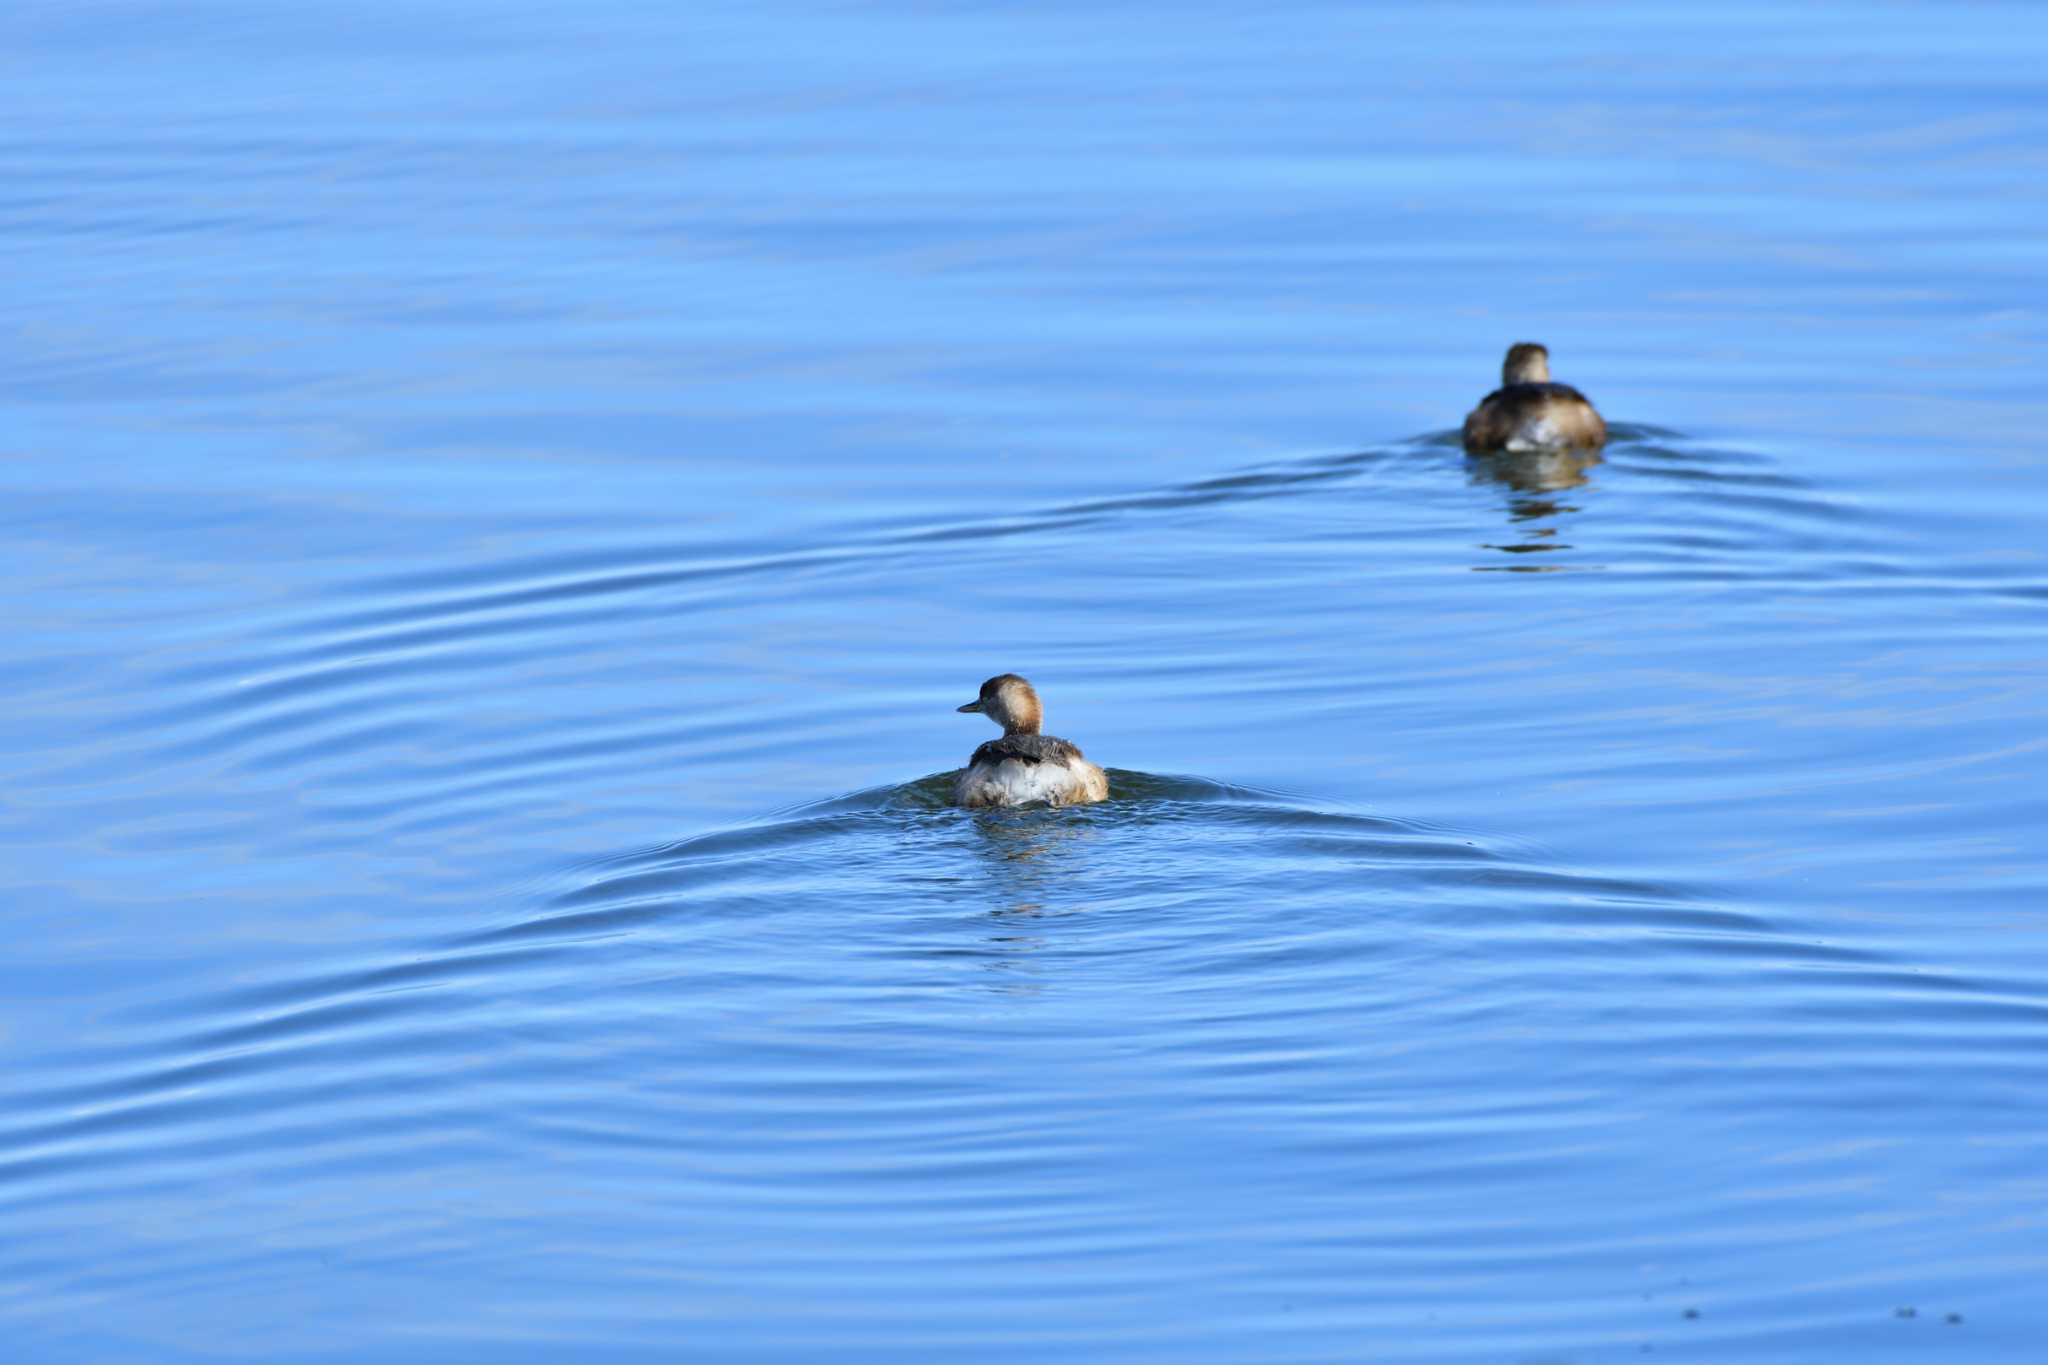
{"x":1027,"y":856}
{"x":1531,"y":476}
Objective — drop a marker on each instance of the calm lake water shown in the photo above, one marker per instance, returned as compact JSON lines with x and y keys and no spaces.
{"x":501,"y":503}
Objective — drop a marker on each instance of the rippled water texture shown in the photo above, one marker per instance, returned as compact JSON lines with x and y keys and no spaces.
{"x":502,"y":503}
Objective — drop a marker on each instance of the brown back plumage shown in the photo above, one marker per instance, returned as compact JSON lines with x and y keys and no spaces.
{"x":1528,"y":412}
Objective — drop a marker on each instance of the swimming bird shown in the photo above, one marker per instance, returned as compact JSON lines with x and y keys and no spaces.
{"x":1528,"y":412}
{"x":1024,"y":766}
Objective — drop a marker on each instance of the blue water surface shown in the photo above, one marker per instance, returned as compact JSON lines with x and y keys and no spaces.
{"x":501,"y":503}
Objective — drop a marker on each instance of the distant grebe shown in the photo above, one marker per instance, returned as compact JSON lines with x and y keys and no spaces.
{"x":1024,"y":766}
{"x":1528,"y":412}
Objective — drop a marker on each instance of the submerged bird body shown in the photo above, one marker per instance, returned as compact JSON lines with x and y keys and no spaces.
{"x":1024,"y":766}
{"x":1529,"y":412}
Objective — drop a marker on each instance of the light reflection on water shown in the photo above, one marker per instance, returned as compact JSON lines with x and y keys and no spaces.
{"x":501,"y":510}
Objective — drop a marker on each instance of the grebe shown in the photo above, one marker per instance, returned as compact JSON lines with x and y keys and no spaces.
{"x":1528,"y":412}
{"x":1024,"y":766}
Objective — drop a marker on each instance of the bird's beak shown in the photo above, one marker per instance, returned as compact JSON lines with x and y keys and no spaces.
{"x":971,"y":706}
